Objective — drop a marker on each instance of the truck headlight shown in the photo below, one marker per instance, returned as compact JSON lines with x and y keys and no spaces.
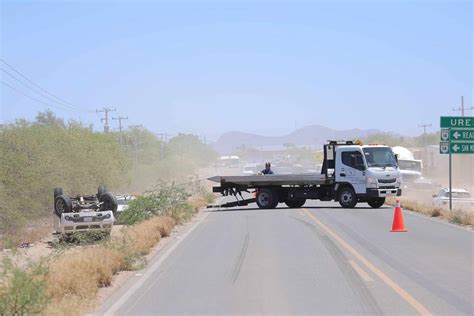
{"x":398,"y":181}
{"x":372,"y":182}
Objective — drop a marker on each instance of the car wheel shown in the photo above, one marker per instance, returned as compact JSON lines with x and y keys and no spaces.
{"x":101,"y":190}
{"x":109,"y":203}
{"x":58,"y":192}
{"x":62,"y":204}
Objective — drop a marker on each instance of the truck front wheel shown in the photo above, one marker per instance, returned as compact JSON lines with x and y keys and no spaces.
{"x":267,"y":198}
{"x":376,"y":202}
{"x":347,"y":197}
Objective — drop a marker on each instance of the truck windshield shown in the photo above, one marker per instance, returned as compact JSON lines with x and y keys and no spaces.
{"x":409,"y":165}
{"x":379,"y":157}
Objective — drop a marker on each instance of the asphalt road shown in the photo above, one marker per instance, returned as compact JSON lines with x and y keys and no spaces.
{"x":321,"y":259}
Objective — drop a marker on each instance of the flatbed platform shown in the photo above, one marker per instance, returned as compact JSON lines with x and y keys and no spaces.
{"x":275,"y":179}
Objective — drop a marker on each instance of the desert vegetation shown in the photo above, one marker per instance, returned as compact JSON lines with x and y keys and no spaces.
{"x":67,"y":282}
{"x":38,"y":155}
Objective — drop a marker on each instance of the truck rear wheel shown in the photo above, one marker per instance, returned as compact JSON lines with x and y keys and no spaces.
{"x":347,"y":197}
{"x":267,"y":198}
{"x":376,"y":202}
{"x":295,"y":203}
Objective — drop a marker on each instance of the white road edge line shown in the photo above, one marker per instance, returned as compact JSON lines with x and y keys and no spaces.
{"x":120,"y":301}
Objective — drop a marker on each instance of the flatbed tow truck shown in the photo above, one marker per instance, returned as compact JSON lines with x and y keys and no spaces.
{"x":351,"y":173}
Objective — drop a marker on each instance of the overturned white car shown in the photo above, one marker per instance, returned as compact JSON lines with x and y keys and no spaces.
{"x":85,"y":212}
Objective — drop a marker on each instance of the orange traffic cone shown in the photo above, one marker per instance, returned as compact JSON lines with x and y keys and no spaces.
{"x":398,"y":225}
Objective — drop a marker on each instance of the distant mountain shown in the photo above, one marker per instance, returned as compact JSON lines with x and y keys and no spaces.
{"x":313,"y":135}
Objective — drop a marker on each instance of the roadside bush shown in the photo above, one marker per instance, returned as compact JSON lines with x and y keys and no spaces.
{"x":435,"y":212}
{"x":167,"y":200}
{"x":38,"y":156}
{"x":22,"y":290}
{"x":140,"y":209}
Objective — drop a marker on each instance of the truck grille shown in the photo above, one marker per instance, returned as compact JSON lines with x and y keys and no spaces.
{"x":387,"y":180}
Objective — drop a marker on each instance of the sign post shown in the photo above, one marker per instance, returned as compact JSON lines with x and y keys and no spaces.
{"x":457,"y":137}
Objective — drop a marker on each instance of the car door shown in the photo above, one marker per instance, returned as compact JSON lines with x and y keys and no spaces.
{"x":351,"y":169}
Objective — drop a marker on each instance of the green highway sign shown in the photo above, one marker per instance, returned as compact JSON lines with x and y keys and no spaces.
{"x":457,"y":134}
{"x":457,"y":121}
{"x":456,"y":147}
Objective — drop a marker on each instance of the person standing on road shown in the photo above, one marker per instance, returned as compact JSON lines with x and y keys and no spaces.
{"x":267,"y":169}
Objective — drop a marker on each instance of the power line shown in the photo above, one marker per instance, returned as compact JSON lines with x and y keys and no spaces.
{"x":32,"y":98}
{"x":120,"y":119}
{"x":424,"y":126}
{"x":106,"y":118}
{"x":61,"y":101}
{"x":65,"y":107}
{"x":462,"y":108}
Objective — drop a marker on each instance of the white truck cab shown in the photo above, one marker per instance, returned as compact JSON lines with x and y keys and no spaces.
{"x":371,"y":170}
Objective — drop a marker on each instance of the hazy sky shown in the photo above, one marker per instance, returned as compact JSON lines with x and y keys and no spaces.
{"x":255,"y":66}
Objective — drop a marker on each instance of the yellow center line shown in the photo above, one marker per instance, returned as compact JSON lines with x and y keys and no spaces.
{"x":389,"y":282}
{"x":364,"y":275}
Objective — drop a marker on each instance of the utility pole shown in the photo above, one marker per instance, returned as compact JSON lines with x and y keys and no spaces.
{"x":424,"y":126}
{"x":135,"y":142}
{"x":461,"y":108}
{"x":120,"y":119}
{"x":164,"y":137}
{"x":106,"y":118}
{"x":164,"y":140}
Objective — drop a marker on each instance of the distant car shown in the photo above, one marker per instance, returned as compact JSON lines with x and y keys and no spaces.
{"x":251,"y":168}
{"x":122,"y":202}
{"x":283,"y":170}
{"x":460,"y":197}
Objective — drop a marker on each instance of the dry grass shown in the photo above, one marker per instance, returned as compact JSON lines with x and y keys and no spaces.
{"x":460,"y":217}
{"x":197,"y":202}
{"x":143,"y":236}
{"x":82,"y":273}
{"x":75,"y":278}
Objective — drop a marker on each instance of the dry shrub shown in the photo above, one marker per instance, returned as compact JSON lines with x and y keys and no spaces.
{"x":166,"y":225}
{"x":197,"y":202}
{"x":140,"y":238}
{"x":460,"y":217}
{"x":83,"y":272}
{"x":436,"y":211}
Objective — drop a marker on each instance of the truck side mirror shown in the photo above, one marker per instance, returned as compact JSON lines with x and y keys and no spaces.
{"x":396,"y":158}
